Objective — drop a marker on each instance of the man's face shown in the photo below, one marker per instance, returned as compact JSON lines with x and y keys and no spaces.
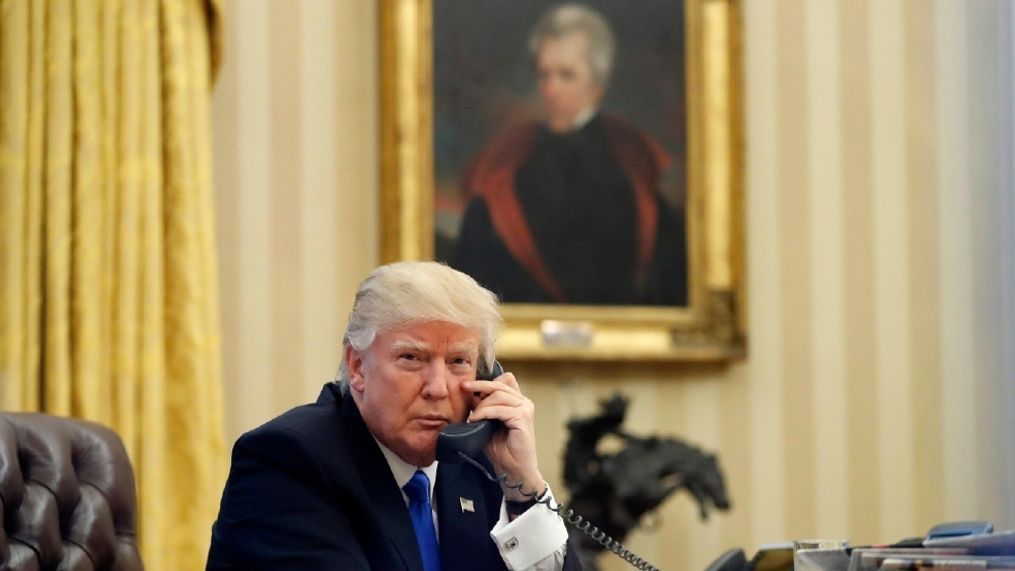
{"x":407,"y":384}
{"x":566,"y":84}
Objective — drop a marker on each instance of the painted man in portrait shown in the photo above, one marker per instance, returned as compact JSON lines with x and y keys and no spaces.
{"x":567,"y":209}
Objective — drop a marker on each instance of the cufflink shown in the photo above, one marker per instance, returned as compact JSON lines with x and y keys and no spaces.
{"x":511,"y":543}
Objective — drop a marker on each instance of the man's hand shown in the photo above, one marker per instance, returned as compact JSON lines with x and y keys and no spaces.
{"x":512,"y":451}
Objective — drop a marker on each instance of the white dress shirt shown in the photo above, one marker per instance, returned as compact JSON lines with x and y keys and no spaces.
{"x":534,"y":541}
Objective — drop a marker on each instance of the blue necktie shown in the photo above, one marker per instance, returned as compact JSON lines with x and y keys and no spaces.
{"x":418,"y":490}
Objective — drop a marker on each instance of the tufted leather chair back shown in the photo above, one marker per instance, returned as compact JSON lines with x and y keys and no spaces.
{"x":67,"y":496}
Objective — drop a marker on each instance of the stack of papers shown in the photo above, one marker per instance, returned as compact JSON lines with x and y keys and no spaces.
{"x":943,"y":548}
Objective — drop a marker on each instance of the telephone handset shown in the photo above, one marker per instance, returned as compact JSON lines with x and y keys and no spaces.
{"x":469,"y":438}
{"x":461,"y":442}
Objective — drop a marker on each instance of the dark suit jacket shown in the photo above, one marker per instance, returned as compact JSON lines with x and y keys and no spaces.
{"x":310,"y":490}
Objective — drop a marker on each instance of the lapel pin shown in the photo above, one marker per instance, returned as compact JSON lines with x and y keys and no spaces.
{"x":467,"y":505}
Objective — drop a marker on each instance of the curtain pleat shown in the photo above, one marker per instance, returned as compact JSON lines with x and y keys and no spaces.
{"x":56,"y":204}
{"x":108,"y":291}
{"x":13,"y":208}
{"x":192,"y":291}
{"x":92,"y":187}
{"x":30,"y":269}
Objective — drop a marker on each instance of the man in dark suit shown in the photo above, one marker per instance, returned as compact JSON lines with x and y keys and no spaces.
{"x":345,"y":483}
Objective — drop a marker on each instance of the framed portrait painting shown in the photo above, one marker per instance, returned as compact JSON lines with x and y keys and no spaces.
{"x":579,"y":159}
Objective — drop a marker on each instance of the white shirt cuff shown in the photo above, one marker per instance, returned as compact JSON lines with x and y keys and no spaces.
{"x":532,"y":537}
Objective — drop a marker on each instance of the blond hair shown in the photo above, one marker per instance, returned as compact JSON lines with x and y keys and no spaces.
{"x":413,"y":292}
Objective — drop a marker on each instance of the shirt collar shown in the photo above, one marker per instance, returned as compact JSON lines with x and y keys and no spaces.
{"x":583,"y":118}
{"x":403,"y":471}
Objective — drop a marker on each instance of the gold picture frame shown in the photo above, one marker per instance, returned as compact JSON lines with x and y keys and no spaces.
{"x":711,"y":327}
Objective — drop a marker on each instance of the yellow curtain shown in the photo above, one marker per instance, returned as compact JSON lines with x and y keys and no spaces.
{"x":108,"y":293}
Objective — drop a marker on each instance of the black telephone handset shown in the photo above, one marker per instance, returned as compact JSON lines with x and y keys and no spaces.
{"x":469,"y":438}
{"x":461,"y":442}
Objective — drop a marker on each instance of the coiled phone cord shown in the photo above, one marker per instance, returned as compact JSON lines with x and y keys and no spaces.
{"x":568,"y":515}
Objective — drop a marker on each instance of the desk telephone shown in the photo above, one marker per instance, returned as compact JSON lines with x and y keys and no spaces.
{"x":461,"y":442}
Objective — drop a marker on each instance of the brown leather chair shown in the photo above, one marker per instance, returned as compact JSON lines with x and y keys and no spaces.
{"x":67,"y":496}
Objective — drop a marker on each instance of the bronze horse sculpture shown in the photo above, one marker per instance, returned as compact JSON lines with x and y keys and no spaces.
{"x":614,"y":491}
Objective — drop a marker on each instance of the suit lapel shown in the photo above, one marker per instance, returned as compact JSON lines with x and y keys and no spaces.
{"x":464,"y":534}
{"x":382,"y":491}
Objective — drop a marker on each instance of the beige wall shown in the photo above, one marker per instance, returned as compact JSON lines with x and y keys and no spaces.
{"x":878,"y":396}
{"x":295,"y":124}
